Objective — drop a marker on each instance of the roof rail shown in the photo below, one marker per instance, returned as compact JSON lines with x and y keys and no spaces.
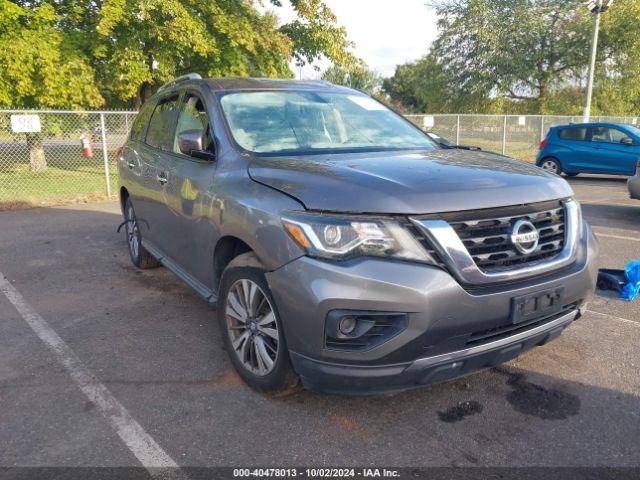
{"x":183,"y":78}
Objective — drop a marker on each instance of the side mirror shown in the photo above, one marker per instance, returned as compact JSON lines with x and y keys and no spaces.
{"x":190,"y":143}
{"x":627,"y":141}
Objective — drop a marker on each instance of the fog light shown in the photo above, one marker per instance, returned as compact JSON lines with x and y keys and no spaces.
{"x":347,"y":325}
{"x":352,"y":330}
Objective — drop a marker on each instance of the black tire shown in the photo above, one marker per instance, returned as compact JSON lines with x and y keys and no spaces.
{"x":551,"y":164}
{"x":140,"y":257}
{"x":281,"y":379}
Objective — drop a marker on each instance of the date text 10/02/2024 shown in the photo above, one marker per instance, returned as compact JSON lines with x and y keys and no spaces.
{"x":315,"y":473}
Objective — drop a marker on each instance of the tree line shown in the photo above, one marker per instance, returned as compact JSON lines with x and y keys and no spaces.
{"x":115,"y":53}
{"x":523,"y":56}
{"x":490,"y":56}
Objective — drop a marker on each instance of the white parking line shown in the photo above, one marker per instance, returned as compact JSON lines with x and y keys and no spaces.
{"x":139,"y":442}
{"x":619,"y":237}
{"x":613,"y":317}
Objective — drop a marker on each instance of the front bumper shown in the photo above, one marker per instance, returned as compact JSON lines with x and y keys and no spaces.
{"x":442,"y":318}
{"x":351,"y":379}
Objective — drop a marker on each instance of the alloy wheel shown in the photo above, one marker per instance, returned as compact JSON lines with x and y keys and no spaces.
{"x":133,"y":237}
{"x":252,"y":327}
{"x":550,"y":166}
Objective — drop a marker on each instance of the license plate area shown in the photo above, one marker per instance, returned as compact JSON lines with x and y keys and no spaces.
{"x":536,"y":305}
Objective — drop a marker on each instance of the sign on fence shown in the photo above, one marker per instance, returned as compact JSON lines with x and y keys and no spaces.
{"x":25,"y":123}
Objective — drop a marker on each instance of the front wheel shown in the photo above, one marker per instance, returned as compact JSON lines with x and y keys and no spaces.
{"x":252,"y":330}
{"x":551,"y":165}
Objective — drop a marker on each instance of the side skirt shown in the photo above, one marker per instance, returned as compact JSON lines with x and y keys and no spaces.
{"x":201,"y":289}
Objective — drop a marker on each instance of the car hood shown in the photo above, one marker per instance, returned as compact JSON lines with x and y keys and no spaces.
{"x":407,"y":182}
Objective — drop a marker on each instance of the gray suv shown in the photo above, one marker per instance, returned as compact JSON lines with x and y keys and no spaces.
{"x":341,"y":245}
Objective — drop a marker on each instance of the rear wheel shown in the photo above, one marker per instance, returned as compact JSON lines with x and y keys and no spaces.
{"x":252,"y":330}
{"x":551,"y":165}
{"x":140,"y":257}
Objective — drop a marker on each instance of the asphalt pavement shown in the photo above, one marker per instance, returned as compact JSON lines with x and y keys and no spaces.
{"x":74,"y":305}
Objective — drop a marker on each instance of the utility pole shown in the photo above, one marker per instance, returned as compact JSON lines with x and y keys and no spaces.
{"x":596,"y":7}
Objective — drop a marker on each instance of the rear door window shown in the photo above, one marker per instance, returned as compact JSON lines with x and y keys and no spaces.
{"x":575,"y":133}
{"x":141,"y":121}
{"x":162,"y":123}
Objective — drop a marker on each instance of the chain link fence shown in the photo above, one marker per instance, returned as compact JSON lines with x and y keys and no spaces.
{"x":43,"y":158}
{"x":51,"y":156}
{"x":516,"y":136}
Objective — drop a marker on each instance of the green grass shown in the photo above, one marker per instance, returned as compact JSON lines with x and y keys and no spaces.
{"x":523,"y":151}
{"x":69,"y":177}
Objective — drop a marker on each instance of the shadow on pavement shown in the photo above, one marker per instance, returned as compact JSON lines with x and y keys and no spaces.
{"x":585,"y":179}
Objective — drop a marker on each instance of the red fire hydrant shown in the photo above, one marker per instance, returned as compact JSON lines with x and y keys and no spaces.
{"x":87,"y":145}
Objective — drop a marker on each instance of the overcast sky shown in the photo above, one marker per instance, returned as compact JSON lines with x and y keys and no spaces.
{"x":386,"y":32}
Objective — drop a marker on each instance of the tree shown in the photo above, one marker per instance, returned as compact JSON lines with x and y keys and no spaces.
{"x":517,"y":49}
{"x":617,"y":90}
{"x":141,"y":44}
{"x":42,"y":68}
{"x":523,"y":56}
{"x":427,"y":86}
{"x":136,"y":45}
{"x":127,"y":48}
{"x":358,"y":76}
{"x":315,"y":34}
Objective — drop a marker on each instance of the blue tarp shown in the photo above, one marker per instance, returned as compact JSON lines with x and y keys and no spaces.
{"x":632,"y":288}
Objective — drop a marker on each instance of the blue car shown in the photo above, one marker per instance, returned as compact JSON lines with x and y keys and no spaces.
{"x":610,"y":148}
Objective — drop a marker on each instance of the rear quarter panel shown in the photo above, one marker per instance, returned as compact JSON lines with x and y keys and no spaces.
{"x":556,"y":148}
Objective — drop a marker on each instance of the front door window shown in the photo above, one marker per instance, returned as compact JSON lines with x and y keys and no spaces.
{"x":607,"y":135}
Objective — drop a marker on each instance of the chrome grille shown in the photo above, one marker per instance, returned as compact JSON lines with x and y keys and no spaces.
{"x":426,"y":244}
{"x":487,"y":237}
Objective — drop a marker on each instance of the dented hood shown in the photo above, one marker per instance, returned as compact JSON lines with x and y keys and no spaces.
{"x":407,"y":182}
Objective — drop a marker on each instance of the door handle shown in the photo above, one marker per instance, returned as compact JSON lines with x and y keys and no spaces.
{"x":162,"y":178}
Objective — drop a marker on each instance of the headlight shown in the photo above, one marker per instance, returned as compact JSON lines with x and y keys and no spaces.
{"x":341,"y":238}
